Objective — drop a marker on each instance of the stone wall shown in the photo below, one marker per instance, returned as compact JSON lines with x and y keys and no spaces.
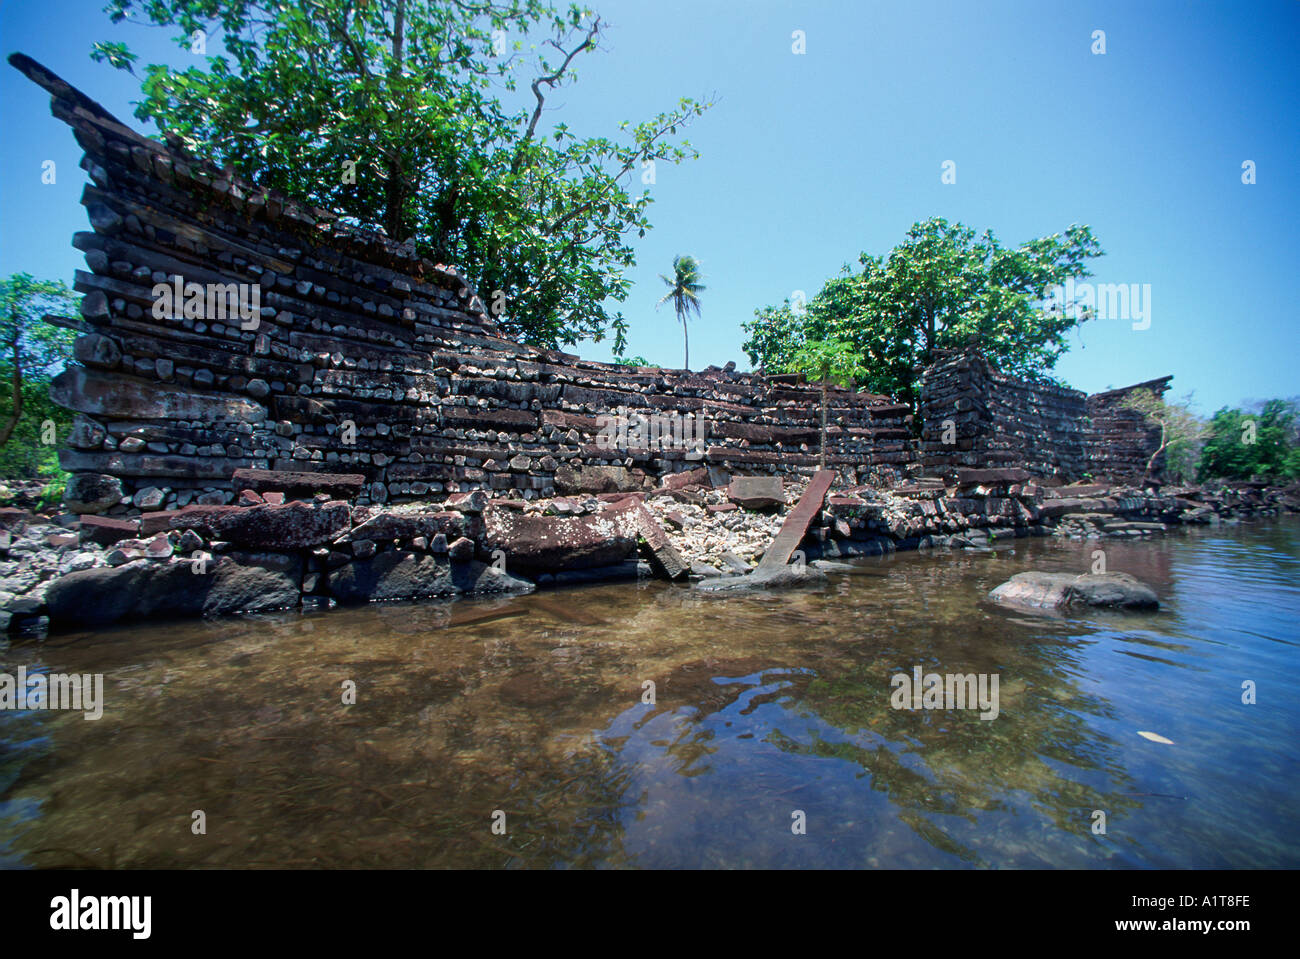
{"x":362,"y":358}
{"x":976,"y":417}
{"x":1122,"y":439}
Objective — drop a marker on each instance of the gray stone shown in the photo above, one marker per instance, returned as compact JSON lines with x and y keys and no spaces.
{"x":398,"y":575}
{"x":1039,"y":590}
{"x":92,"y":492}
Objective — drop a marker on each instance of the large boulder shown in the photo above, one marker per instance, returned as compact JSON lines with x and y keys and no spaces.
{"x":92,"y":492}
{"x":1039,"y":590}
{"x":400,"y":574}
{"x":236,"y":582}
{"x":550,"y":543}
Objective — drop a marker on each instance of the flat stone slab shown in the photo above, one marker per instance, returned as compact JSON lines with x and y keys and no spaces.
{"x":756,"y":492}
{"x":796,"y":523}
{"x":298,"y":484}
{"x":785,"y":577}
{"x":553,"y":543}
{"x":288,"y":527}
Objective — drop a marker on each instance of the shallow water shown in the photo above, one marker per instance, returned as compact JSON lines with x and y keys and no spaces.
{"x":766,"y":707}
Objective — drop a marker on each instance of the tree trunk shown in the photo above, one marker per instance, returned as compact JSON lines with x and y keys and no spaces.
{"x":823,"y":443}
{"x":1146,"y":474}
{"x":8,"y":429}
{"x":687,"y":339}
{"x":394,"y":187}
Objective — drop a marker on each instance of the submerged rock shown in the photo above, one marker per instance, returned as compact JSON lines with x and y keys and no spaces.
{"x":237,"y":582}
{"x":783,"y":578}
{"x":400,"y":574}
{"x":1039,"y":590}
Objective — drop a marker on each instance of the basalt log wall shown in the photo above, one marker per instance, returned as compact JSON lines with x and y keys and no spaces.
{"x":1123,"y":440}
{"x":363,"y":357}
{"x":974,"y":416}
{"x":977,"y":417}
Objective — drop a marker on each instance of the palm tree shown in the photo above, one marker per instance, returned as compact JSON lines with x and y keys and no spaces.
{"x":683,"y":290}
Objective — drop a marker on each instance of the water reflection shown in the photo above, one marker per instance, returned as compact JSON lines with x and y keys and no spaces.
{"x":764,"y":706}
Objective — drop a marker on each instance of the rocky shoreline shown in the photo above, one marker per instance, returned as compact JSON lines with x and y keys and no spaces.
{"x":291,"y":547}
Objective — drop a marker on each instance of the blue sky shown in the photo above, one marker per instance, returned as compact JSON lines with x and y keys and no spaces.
{"x":809,"y":159}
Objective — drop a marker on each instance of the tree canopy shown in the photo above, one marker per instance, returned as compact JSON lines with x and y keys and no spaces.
{"x":31,"y":351}
{"x":396,"y":115}
{"x":1243,"y":444}
{"x":943,"y":287}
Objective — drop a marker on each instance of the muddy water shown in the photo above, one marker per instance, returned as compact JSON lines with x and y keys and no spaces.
{"x":770,"y":711}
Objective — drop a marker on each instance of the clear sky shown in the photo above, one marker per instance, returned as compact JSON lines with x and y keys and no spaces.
{"x":809,"y":159}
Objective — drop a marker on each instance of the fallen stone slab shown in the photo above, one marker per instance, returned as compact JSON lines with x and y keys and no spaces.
{"x":1039,"y":590}
{"x":695,"y":477}
{"x":756,"y":492}
{"x":407,"y":526}
{"x":106,"y":530}
{"x":406,"y":575}
{"x":796,"y":523}
{"x":298,"y":484}
{"x":292,"y":526}
{"x":663,"y":555}
{"x":143,"y":588}
{"x":553,"y":543}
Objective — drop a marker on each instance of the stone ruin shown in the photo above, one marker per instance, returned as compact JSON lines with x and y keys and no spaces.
{"x":363,"y":360}
{"x":341,"y":352}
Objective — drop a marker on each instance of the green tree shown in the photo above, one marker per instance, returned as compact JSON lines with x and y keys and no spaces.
{"x":684,"y":292}
{"x":632,"y":361}
{"x":943,"y":287}
{"x":30,"y":352}
{"x":827,"y":361}
{"x":395,"y":114}
{"x":1181,"y":434}
{"x":1262,"y":442}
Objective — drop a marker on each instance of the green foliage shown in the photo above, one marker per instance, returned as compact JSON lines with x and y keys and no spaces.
{"x":828,"y":361}
{"x":31,"y":351}
{"x":1182,"y":433}
{"x":632,"y":361}
{"x":943,"y":287}
{"x":1264,"y":442}
{"x":684,"y":289}
{"x":410,"y":96}
{"x":26,"y":455}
